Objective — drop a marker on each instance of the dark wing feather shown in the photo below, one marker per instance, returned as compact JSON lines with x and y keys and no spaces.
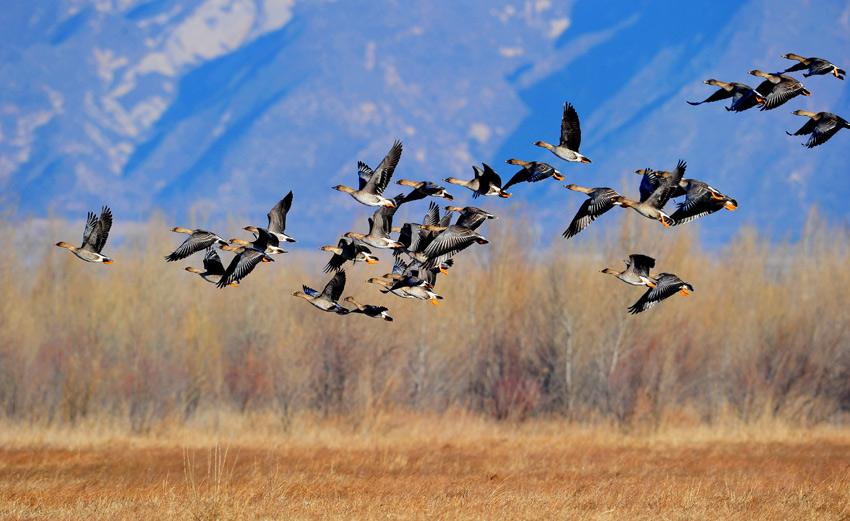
{"x":199,"y":240}
{"x":782,"y":92}
{"x":600,"y":201}
{"x":90,"y":232}
{"x":667,"y":285}
{"x":381,"y":176}
{"x":493,"y":179}
{"x":103,"y":230}
{"x":808,"y":128}
{"x":825,"y":129}
{"x":719,"y":94}
{"x":522,"y":176}
{"x":364,"y":174}
{"x":277,"y":215}
{"x":799,"y":66}
{"x":241,"y":265}
{"x":334,"y":288}
{"x":212,"y":263}
{"x":432,"y":217}
{"x":648,"y":183}
{"x":570,"y":129}
{"x":448,"y":243}
{"x":641,"y":264}
{"x":667,"y":186}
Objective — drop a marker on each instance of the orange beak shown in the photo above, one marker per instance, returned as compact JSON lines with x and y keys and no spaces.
{"x":684,"y":292}
{"x":730,"y":206}
{"x":444,"y":271}
{"x":110,"y":261}
{"x":435,"y":301}
{"x":504,"y":195}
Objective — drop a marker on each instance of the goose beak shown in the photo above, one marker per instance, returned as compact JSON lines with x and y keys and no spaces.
{"x":444,"y":271}
{"x":730,"y":206}
{"x":108,"y":261}
{"x":586,"y":160}
{"x":684,"y":292}
{"x":665,"y":221}
{"x":435,"y":302}
{"x":650,"y":283}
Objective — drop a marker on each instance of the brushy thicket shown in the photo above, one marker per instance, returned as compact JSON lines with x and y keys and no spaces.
{"x":522,"y":332}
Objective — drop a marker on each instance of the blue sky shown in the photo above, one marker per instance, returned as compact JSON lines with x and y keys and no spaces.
{"x":213,"y":108}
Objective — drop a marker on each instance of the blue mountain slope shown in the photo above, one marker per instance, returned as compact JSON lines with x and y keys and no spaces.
{"x":224,"y":105}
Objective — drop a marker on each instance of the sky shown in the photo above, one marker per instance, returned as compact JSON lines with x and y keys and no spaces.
{"x":208,"y":109}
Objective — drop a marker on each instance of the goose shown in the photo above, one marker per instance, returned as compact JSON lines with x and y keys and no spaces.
{"x":599,"y":201}
{"x":637,"y":270}
{"x":327,"y":299}
{"x":246,"y":259}
{"x":532,"y":172}
{"x":821,"y":125}
{"x":417,"y":237}
{"x":650,"y":179}
{"x":380,"y":225}
{"x":666,"y":285}
{"x":701,"y":199}
{"x":449,"y":243}
{"x":94,"y":238}
{"x":470,"y":216}
{"x":264,"y":242}
{"x":652,"y":207}
{"x":198,"y":240}
{"x":423,"y":189}
{"x":405,"y":282}
{"x":277,"y":222}
{"x":369,"y":310}
{"x":813,"y":66}
{"x":485,"y":182}
{"x":370,"y":191}
{"x":213,"y":268}
{"x":348,"y":250}
{"x":778,"y":89}
{"x":743,"y":96}
{"x":567,"y":148}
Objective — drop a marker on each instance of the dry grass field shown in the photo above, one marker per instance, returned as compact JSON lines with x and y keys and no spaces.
{"x":410,"y":467}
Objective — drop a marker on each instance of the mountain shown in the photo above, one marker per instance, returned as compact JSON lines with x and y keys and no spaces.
{"x":209,"y":108}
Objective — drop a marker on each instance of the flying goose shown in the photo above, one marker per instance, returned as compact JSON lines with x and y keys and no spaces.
{"x":380,"y":226}
{"x":410,"y":281}
{"x":470,"y":216}
{"x":485,"y":182}
{"x":743,"y":96}
{"x":600,"y":200}
{"x":813,"y":66}
{"x":532,"y":172}
{"x":778,"y":89}
{"x":94,"y":238}
{"x":198,"y":240}
{"x":373,"y":183}
{"x":327,"y":299}
{"x":821,"y":125}
{"x":701,"y":199}
{"x":651,"y":179}
{"x":652,"y":207}
{"x":264,"y":241}
{"x":246,"y":259}
{"x":449,"y":243}
{"x":277,"y":222}
{"x":567,"y":148}
{"x":348,"y":250}
{"x":666,"y":285}
{"x":423,"y":189}
{"x":369,"y":310}
{"x":637,"y":270}
{"x":213,"y":268}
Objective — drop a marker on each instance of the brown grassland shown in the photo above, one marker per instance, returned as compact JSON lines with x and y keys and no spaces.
{"x":138,"y":391}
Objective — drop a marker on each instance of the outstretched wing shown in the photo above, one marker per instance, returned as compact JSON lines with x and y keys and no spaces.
{"x":241,"y":266}
{"x":570,"y":129}
{"x":825,"y":129}
{"x":448,"y":243}
{"x":381,"y":176}
{"x":522,"y":176}
{"x":199,"y":240}
{"x":640,"y":264}
{"x":493,"y":179}
{"x":97,"y":230}
{"x":277,"y":215}
{"x":667,"y":186}
{"x":719,"y":94}
{"x":666,"y":286}
{"x":781,"y":92}
{"x":600,"y":201}
{"x":334,"y":288}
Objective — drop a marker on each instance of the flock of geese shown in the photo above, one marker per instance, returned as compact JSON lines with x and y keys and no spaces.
{"x":424,"y":250}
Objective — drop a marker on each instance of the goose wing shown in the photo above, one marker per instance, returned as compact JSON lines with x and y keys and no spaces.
{"x":380,"y":178}
{"x":241,"y":265}
{"x":781,"y":92}
{"x":649,"y":181}
{"x":448,"y":243}
{"x":197,"y":241}
{"x":698,"y":203}
{"x":212,"y":263}
{"x":277,"y":215}
{"x":522,"y":176}
{"x":807,"y":128}
{"x":334,"y":288}
{"x":600,"y":201}
{"x":820,"y":66}
{"x":825,"y":129}
{"x":364,"y":173}
{"x":97,"y":230}
{"x":640,"y":264}
{"x":570,"y":128}
{"x":667,"y":186}
{"x":666,"y":286}
{"x":337,"y":260}
{"x":719,"y":94}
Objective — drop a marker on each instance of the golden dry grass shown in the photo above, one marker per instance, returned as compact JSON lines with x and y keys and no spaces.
{"x":414,"y":467}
